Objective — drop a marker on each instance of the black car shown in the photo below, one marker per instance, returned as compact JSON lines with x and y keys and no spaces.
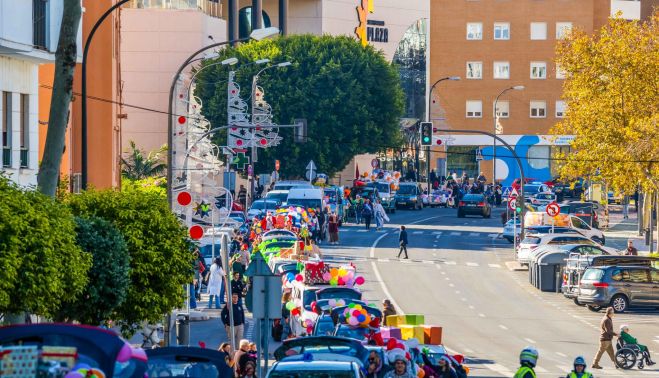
{"x":474,"y":204}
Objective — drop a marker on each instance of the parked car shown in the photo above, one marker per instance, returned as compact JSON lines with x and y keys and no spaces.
{"x":510,"y":230}
{"x":620,"y":287}
{"x":387,"y":195}
{"x":315,"y":365}
{"x":184,"y":361}
{"x":474,"y":204}
{"x":532,"y":242}
{"x":261,"y":207}
{"x":409,"y":196}
{"x":543,"y":199}
{"x":534,"y":188}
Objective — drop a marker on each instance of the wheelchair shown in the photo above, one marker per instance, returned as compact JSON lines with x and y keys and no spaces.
{"x":627,"y":355}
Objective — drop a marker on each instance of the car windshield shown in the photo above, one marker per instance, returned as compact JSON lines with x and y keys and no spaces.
{"x":305,"y":203}
{"x":593,"y":274}
{"x":473,"y":197}
{"x":279,"y":197}
{"x":531,"y":189}
{"x":324,"y":327}
{"x":531,"y":240}
{"x":301,"y":373}
{"x":406,"y":189}
{"x":261,"y":205}
{"x":382,"y":187}
{"x":165,"y":367}
{"x":351,"y":333}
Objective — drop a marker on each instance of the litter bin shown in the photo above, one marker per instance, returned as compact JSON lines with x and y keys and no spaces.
{"x":183,"y":329}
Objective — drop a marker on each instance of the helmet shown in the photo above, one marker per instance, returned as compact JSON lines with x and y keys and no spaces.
{"x":580,"y":361}
{"x":529,"y":355}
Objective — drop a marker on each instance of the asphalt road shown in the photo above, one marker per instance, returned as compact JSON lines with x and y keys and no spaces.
{"x":457,"y":277}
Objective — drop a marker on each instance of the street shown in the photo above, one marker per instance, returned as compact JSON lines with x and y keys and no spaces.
{"x":457,"y":276}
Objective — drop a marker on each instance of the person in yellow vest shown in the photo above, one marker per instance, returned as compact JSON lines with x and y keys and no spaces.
{"x":527,"y":359}
{"x":579,"y":369}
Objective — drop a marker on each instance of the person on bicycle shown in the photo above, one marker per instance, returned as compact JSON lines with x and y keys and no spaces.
{"x":579,"y":369}
{"x":528,"y":358}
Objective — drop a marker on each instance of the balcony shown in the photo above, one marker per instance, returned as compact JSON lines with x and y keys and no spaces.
{"x":40,"y":24}
{"x":6,"y":157}
{"x":24,"y":157}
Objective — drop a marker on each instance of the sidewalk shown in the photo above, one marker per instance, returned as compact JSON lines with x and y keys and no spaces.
{"x":620,"y":230}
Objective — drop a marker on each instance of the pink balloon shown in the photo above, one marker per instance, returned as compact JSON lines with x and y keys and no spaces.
{"x":353,"y":321}
{"x":327,"y":276}
{"x":359,"y":280}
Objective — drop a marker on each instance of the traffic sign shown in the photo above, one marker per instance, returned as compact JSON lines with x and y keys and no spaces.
{"x":311,"y":170}
{"x":514,"y":193}
{"x":479,"y":155}
{"x":512,"y":203}
{"x":553,"y":209}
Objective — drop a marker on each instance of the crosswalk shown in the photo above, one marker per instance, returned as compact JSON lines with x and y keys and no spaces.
{"x":338,"y":259}
{"x":436,"y":234}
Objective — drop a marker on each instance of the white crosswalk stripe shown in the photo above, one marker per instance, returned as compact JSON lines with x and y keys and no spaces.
{"x":450,"y":263}
{"x":456,"y":233}
{"x":417,"y":232}
{"x":472,"y":264}
{"x":494,"y":265}
{"x":473,"y":234}
{"x":437,"y":232}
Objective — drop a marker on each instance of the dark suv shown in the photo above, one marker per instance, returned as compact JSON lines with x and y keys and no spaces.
{"x":619,"y":287}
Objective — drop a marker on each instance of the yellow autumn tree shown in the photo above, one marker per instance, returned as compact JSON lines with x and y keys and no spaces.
{"x":612,"y":96}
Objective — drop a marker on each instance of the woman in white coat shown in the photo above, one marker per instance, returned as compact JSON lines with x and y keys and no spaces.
{"x":216,"y":284}
{"x":380,"y":215}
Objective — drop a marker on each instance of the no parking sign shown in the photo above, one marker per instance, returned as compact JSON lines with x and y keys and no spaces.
{"x":553,"y":209}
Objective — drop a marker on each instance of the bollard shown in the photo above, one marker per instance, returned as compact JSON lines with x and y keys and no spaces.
{"x":183,"y":329}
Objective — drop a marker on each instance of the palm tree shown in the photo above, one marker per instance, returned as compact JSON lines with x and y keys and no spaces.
{"x":137,"y":167}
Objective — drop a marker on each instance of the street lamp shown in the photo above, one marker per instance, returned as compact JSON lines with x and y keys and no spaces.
{"x":450,"y":78}
{"x":496,"y":117}
{"x":257,"y":35}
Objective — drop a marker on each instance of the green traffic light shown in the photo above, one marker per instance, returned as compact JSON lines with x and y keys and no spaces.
{"x":518,"y":210}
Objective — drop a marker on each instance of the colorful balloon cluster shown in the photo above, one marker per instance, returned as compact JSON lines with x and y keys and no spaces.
{"x":83,"y":370}
{"x":344,"y":276}
{"x":355,"y":315}
{"x":294,"y":306}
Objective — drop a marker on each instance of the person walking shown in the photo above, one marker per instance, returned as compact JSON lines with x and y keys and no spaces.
{"x":387,"y":310}
{"x":238,"y":319}
{"x":238,"y":286}
{"x":579,"y":370}
{"x":358,"y":205}
{"x":631,"y":250}
{"x":625,"y":207}
{"x":402,"y":241}
{"x":380,"y":215}
{"x":367,"y":213}
{"x":241,"y":358}
{"x":215,"y":288}
{"x":333,"y":228}
{"x":606,"y":337}
{"x":242,"y":196}
{"x":528,"y":359}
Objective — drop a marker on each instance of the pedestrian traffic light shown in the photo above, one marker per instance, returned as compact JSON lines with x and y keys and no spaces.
{"x":426,"y":133}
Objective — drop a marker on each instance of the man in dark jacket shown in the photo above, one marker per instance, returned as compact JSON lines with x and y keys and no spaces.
{"x":402,"y":240}
{"x":606,"y":339}
{"x":631,"y":250}
{"x":387,"y":310}
{"x":237,"y":286}
{"x":238,"y":318}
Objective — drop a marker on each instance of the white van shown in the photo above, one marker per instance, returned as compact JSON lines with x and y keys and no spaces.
{"x":533,"y":218}
{"x":305,"y":197}
{"x":288,"y":185}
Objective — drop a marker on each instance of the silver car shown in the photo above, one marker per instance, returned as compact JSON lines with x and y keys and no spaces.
{"x":619,"y":286}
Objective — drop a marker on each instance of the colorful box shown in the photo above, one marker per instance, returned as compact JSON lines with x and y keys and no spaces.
{"x":395,"y":320}
{"x":407,"y":332}
{"x":391,"y":332}
{"x":432,"y":334}
{"x":414,"y":319}
{"x":18,"y":361}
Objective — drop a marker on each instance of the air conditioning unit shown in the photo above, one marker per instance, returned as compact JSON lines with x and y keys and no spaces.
{"x":76,"y":183}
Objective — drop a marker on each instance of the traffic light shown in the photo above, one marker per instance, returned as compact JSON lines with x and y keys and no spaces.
{"x":426,"y":133}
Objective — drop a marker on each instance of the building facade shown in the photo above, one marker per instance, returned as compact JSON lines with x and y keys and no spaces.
{"x":29,"y":31}
{"x":495,"y":45}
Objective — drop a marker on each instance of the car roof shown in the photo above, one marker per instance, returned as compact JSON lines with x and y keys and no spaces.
{"x":321,"y":365}
{"x":278,"y":191}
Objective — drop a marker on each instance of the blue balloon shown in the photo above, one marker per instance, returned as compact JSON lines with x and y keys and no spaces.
{"x":361,"y":318}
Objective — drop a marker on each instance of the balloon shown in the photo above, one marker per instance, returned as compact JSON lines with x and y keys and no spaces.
{"x":299,"y":278}
{"x":326,"y":276}
{"x":290,"y":305}
{"x":351,"y":305}
{"x":332,"y":302}
{"x":342,"y":272}
{"x":353,"y":321}
{"x":290,"y":276}
{"x":359,"y":280}
{"x":355,"y":313}
{"x":295,"y":312}
{"x":341,"y":302}
{"x":309,"y":330}
{"x":334,"y":272}
{"x":340,"y":281}
{"x":358,"y":307}
{"x":333,"y":281}
{"x":361,"y":318}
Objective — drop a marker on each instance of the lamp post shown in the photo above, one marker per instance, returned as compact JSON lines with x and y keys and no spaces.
{"x":257,"y":35}
{"x":254,"y":156}
{"x":452,"y":78}
{"x":494,"y":143}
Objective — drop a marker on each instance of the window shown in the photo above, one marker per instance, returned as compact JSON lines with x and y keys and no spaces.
{"x":538,"y":70}
{"x":560,"y":74}
{"x":6,"y":128}
{"x":474,"y":70}
{"x":638,"y":275}
{"x":562,"y":28}
{"x":655,"y":275}
{"x":502,"y":108}
{"x":475,"y":30}
{"x":501,"y":70}
{"x":25,"y":128}
{"x":538,"y":31}
{"x":474,"y":109}
{"x":502,"y":30}
{"x":560,"y":109}
{"x":538,"y":109}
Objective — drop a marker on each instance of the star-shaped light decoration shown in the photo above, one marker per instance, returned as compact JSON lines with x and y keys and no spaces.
{"x":202,"y":209}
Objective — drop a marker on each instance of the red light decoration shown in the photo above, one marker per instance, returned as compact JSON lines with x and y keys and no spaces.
{"x":184,"y":198}
{"x":264,"y":142}
{"x":196,"y":232}
{"x":239,"y":142}
{"x":181,"y":120}
{"x":439,"y":142}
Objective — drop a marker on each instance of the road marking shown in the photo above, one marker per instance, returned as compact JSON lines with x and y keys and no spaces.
{"x":362,"y":230}
{"x":451,"y":285}
{"x":456,"y":233}
{"x":500,"y":369}
{"x":481,"y":315}
{"x":384,"y":260}
{"x":529,"y":340}
{"x":437,"y":232}
{"x":471,"y":307}
{"x":472,"y":264}
{"x":503,"y":327}
{"x":494,"y":265}
{"x":450,"y":263}
{"x":417,"y":232}
{"x":561,"y":354}
{"x":428,"y":262}
{"x":473,"y":234}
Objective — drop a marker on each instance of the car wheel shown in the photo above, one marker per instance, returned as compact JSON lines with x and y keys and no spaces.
{"x":576,"y":302}
{"x":594,"y":308}
{"x":620,"y":303}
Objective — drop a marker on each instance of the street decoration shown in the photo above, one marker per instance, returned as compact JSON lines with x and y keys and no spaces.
{"x":196,"y":232}
{"x":202,"y":209}
{"x":265,"y":134}
{"x":240,"y":161}
{"x":237,"y":137}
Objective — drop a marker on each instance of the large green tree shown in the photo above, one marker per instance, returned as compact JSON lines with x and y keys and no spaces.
{"x":41,"y":265}
{"x":108,"y":278}
{"x":138,"y":166}
{"x":160,"y":258}
{"x":349,"y":95}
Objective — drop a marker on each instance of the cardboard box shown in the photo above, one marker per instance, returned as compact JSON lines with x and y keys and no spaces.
{"x":395,"y":320}
{"x":414,"y":319}
{"x":432,"y":334}
{"x":391,"y":332}
{"x":407,"y":332}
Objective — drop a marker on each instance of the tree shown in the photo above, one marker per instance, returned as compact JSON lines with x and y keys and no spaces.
{"x":161,"y":262}
{"x":349,"y":95}
{"x":41,"y":264}
{"x":65,"y":62}
{"x":612,"y":97}
{"x":108,"y":278}
{"x":138,"y":167}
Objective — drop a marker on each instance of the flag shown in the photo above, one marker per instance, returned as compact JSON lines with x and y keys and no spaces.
{"x":356,"y":170}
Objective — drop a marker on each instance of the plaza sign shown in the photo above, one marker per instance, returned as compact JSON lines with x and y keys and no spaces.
{"x":369,"y":30}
